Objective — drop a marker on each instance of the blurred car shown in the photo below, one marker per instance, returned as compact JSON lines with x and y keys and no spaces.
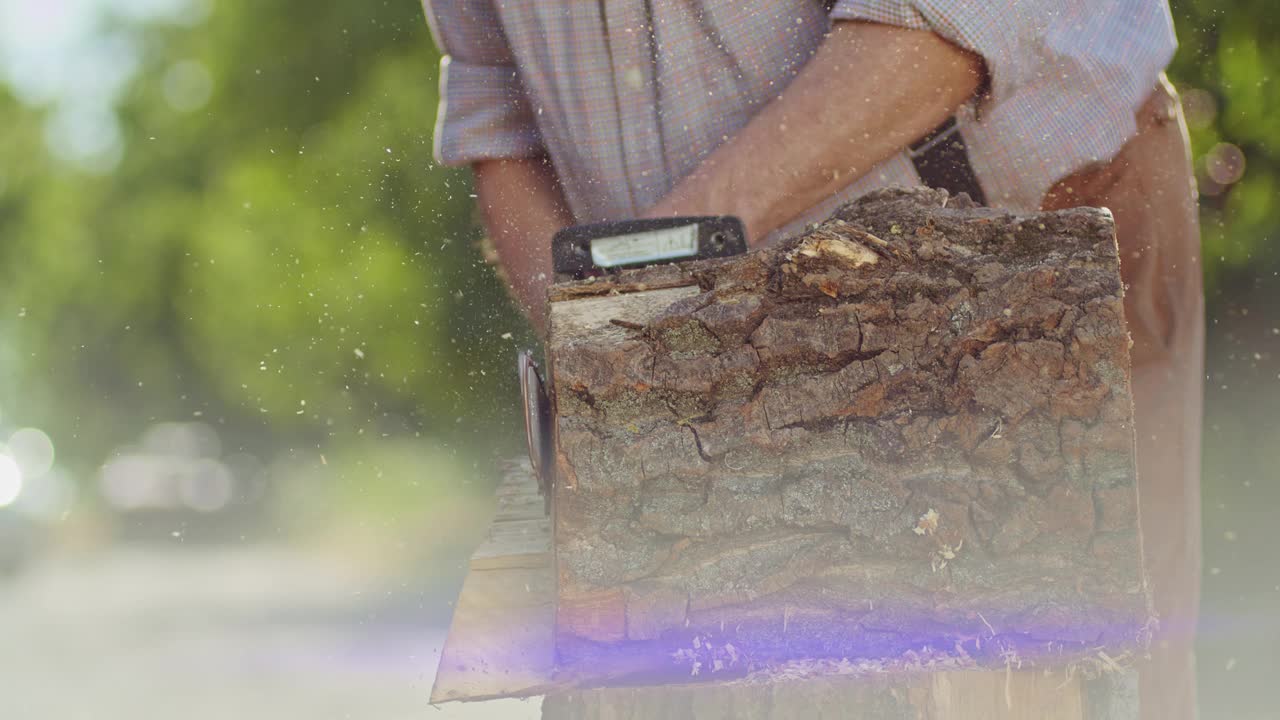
{"x":176,"y":482}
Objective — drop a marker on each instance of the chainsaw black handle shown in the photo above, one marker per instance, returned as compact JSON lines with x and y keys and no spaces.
{"x":582,"y":251}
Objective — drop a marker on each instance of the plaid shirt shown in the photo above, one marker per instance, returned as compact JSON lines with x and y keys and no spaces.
{"x":624,"y":112}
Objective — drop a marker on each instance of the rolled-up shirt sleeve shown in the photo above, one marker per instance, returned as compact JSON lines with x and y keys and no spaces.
{"x":484,"y":112}
{"x":1064,"y":78}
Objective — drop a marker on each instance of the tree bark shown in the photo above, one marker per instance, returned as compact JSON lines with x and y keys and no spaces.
{"x":903,"y":437}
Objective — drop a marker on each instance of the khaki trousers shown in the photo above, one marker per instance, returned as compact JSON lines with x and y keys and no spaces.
{"x":1150,"y":189}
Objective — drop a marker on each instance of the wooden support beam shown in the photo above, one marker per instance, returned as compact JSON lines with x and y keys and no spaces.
{"x":500,"y":642}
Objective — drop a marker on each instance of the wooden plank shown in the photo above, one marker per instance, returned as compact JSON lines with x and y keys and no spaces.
{"x":520,"y":534}
{"x":509,"y":556}
{"x":500,"y":640}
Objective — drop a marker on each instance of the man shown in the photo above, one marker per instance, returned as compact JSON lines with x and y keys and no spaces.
{"x":574,"y":111}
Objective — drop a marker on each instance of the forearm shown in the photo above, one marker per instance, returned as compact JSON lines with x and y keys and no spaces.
{"x":869,"y":91}
{"x":523,"y":207}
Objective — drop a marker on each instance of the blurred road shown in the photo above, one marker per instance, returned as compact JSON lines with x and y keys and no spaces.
{"x":141,"y":632}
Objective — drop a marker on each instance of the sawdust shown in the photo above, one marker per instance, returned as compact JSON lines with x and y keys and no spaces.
{"x":927,"y":524}
{"x":926,"y":660}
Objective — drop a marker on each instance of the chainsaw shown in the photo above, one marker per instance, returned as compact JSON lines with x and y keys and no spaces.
{"x":600,"y":249}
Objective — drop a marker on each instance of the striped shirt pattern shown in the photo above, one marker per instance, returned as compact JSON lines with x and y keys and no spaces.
{"x":626,"y":96}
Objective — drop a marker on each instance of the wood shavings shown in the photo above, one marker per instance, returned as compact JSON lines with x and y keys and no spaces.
{"x":927,"y":660}
{"x":927,"y":524}
{"x":984,"y":622}
{"x":945,"y":554}
{"x":1110,"y":662}
{"x":1008,"y":686}
{"x":705,"y":653}
{"x":828,"y":245}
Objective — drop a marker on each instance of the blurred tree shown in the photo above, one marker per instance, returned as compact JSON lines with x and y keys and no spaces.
{"x":1225,"y":69}
{"x":276,"y":252}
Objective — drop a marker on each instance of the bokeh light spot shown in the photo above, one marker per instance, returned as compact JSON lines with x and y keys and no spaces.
{"x":187,"y":86}
{"x":1225,"y":164}
{"x":10,"y":480}
{"x":33,"y":451}
{"x":1200,"y":107}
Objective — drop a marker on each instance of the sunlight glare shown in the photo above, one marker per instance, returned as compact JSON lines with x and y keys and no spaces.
{"x":10,"y":480}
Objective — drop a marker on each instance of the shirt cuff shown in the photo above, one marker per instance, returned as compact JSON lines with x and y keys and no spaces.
{"x":483,"y":114}
{"x":885,"y":12}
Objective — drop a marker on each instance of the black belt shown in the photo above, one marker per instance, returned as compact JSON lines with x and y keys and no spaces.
{"x":942,"y":161}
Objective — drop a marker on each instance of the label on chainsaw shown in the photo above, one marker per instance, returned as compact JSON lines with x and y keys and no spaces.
{"x":645,"y":247}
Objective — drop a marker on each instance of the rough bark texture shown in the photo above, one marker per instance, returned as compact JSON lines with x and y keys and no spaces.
{"x":909,"y":427}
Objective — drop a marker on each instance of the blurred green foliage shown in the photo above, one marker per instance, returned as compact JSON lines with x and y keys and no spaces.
{"x":1225,"y":69}
{"x":285,"y":260}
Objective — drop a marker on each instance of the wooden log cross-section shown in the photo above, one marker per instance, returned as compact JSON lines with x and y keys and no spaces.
{"x":903,"y":437}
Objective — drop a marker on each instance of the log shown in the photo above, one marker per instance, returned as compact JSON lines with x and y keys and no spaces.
{"x":903,"y":437}
{"x":500,"y":645}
